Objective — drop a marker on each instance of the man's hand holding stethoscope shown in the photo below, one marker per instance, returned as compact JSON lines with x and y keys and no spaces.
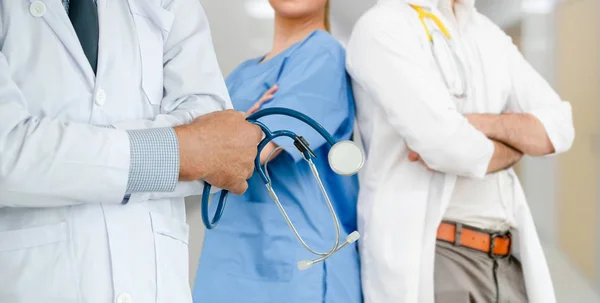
{"x":219,"y":148}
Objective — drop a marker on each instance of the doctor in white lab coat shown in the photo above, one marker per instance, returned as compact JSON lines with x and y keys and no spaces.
{"x":98,"y":151}
{"x":435,"y":156}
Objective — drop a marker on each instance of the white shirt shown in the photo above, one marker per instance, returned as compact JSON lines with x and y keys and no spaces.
{"x":402,"y":102}
{"x":487,"y":203}
{"x":64,"y":235}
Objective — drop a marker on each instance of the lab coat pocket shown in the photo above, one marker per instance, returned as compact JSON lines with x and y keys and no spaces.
{"x":153,"y":24}
{"x":36,"y":265}
{"x":171,"y":246}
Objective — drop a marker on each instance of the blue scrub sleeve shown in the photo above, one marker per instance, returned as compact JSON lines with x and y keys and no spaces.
{"x":317,"y":86}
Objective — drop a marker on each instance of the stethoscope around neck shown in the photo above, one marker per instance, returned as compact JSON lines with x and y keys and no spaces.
{"x":345,"y":158}
{"x":442,"y":33}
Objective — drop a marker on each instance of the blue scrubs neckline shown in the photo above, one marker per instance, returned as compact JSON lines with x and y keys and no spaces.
{"x":258,"y":67}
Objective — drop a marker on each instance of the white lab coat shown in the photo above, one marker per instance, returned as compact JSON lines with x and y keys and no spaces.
{"x":403,"y":102}
{"x":64,"y":235}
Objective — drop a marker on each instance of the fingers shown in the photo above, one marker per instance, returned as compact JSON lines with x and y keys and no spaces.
{"x":268,"y":96}
{"x":257,"y":132}
{"x":413,"y":156}
{"x":264,"y":99}
{"x":249,"y":167}
{"x":253,"y":109}
{"x":272,"y":90}
{"x":239,"y":188}
{"x":258,"y":104}
{"x":249,"y":174}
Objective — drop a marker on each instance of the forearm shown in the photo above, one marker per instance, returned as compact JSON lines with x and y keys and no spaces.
{"x":523,"y":132}
{"x":504,"y":157}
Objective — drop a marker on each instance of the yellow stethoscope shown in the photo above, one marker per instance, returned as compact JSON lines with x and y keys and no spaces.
{"x":457,"y":89}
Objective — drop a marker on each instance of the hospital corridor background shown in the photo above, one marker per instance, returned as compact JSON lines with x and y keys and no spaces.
{"x":561,"y":38}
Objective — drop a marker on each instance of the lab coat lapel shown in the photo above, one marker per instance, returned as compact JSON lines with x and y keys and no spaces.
{"x":57,"y":19}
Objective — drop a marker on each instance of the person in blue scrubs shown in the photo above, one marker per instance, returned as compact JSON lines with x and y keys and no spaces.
{"x":252,"y":255}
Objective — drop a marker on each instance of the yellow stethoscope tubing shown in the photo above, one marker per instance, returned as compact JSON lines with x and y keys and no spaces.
{"x":425,"y":14}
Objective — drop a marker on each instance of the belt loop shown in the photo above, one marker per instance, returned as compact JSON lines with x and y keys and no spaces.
{"x":458,"y":234}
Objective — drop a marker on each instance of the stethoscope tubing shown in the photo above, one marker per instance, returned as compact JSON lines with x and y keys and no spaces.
{"x":294,"y":114}
{"x":264,"y":175}
{"x":269,"y":136}
{"x":441,"y":30}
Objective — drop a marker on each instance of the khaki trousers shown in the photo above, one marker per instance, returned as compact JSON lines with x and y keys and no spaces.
{"x":464,"y":275}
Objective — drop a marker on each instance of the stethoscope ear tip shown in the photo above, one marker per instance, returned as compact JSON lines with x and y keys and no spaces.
{"x":305,"y":264}
{"x":353,"y":237}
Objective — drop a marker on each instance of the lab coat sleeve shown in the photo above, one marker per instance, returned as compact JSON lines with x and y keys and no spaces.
{"x":317,"y":86}
{"x":390,"y":60}
{"x":532,"y":94}
{"x":49,"y":163}
{"x":193,"y":82}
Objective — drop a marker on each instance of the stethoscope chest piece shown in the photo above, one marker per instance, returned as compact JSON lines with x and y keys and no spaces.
{"x":346,"y":158}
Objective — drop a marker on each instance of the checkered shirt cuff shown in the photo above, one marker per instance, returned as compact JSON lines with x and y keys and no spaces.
{"x":154,"y":160}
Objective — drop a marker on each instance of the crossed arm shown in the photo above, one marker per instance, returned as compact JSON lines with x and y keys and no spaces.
{"x":505,"y":153}
{"x":536,"y":122}
{"x":514,"y":135}
{"x":524,"y":132}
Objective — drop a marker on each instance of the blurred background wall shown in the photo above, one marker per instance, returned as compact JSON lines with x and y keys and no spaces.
{"x":561,"y":39}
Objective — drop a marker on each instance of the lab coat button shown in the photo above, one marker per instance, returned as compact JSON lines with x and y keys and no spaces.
{"x":37,"y":9}
{"x":124,"y":298}
{"x":100,"y":97}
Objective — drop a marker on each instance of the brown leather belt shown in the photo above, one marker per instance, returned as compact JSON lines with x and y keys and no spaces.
{"x":497,"y":245}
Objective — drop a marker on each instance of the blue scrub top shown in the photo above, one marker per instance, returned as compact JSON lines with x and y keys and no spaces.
{"x":252,"y":255}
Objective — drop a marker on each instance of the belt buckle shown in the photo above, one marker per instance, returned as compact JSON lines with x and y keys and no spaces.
{"x":493,"y":245}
